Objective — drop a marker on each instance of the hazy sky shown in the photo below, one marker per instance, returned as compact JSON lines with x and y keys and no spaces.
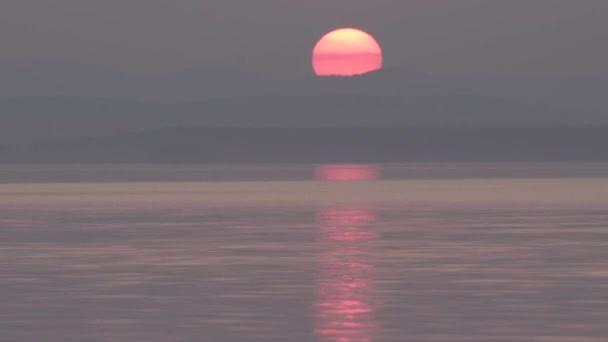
{"x":273,"y":36}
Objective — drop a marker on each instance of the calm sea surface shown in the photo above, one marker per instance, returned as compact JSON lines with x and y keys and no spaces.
{"x":435,"y":253}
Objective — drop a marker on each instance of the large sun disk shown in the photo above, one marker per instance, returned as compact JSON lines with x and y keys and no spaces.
{"x":346,"y":52}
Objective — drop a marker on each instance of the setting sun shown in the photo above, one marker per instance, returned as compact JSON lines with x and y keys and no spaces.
{"x":346,"y":52}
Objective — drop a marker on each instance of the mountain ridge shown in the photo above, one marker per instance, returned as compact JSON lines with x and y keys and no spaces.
{"x":421,"y":143}
{"x":28,"y":120}
{"x":38,"y":78}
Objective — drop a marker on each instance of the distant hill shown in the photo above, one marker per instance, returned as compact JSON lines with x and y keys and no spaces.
{"x":29,"y":120}
{"x":4,"y":151}
{"x":56,"y":78}
{"x":419,"y":143}
{"x":32,"y":78}
{"x":44,"y":78}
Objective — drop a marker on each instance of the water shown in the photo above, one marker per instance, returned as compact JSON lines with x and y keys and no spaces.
{"x":431,"y":253}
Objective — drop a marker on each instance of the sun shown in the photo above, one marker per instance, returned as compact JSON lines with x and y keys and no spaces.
{"x":346,"y":52}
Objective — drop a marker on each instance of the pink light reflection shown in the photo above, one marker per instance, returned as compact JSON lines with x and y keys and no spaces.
{"x":347,"y":172}
{"x":345,"y":305}
{"x":343,"y":217}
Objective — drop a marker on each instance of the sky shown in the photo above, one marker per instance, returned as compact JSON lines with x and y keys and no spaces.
{"x":277,"y":36}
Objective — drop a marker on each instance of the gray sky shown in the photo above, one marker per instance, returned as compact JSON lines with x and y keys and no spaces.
{"x":276,"y":36}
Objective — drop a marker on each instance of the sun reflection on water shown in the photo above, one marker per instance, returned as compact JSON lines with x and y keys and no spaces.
{"x":345,"y":307}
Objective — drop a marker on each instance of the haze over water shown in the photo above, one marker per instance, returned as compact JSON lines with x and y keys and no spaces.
{"x":266,"y":253}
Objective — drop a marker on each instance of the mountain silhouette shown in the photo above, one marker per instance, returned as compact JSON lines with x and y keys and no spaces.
{"x":421,"y":143}
{"x":48,"y":78}
{"x":27,"y":120}
{"x":62,"y":100}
